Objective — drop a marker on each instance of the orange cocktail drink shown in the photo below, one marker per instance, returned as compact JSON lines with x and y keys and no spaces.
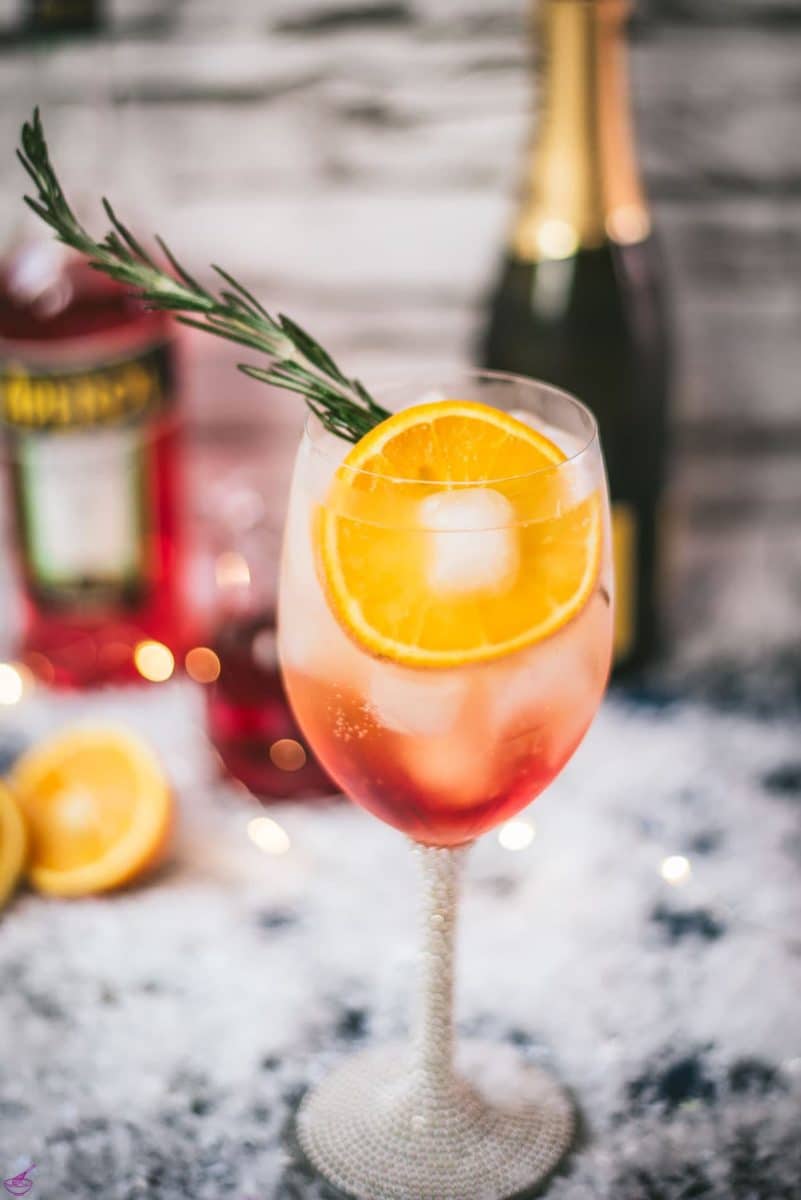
{"x":446,"y":625}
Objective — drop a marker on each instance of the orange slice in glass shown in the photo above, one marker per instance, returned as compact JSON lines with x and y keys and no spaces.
{"x":98,"y":810}
{"x":449,"y":536}
{"x":13,"y":844}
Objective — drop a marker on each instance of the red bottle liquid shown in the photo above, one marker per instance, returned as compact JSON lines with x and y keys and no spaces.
{"x":90,"y":449}
{"x":249,"y":719}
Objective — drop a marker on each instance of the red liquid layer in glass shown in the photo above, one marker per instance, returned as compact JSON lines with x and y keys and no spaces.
{"x":418,"y":784}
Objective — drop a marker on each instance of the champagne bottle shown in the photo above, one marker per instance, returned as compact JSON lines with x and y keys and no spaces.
{"x":579,"y":301}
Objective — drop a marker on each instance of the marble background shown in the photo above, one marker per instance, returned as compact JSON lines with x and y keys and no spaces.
{"x":355,"y":161}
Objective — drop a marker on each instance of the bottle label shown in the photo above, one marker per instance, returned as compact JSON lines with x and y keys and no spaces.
{"x":80,"y":444}
{"x":624,"y":554}
{"x":82,"y":505}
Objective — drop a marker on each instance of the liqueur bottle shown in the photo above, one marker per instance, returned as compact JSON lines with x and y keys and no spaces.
{"x":89,"y":419}
{"x":250,"y":722}
{"x":88,"y":390}
{"x":579,"y":300}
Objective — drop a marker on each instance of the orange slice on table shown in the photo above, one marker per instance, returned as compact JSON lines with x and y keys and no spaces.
{"x":98,"y":810}
{"x":448,"y":537}
{"x":13,"y":844}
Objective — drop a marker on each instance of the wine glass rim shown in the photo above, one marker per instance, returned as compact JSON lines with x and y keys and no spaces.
{"x":314,"y":428}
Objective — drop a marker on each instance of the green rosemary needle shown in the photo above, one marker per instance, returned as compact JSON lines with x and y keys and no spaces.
{"x":297,"y":362}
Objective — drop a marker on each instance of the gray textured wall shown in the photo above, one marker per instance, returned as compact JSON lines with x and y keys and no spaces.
{"x":355,"y":161}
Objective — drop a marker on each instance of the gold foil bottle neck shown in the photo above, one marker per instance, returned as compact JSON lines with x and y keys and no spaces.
{"x":582,"y":185}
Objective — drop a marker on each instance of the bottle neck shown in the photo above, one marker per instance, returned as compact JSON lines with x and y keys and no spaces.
{"x":582,"y":186}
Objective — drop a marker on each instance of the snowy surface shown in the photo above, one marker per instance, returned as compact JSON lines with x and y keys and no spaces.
{"x":155,"y":1044}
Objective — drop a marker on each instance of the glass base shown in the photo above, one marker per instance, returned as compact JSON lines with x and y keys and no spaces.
{"x":378,"y":1132}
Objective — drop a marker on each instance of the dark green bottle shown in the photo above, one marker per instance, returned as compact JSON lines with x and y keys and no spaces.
{"x":579,"y":300}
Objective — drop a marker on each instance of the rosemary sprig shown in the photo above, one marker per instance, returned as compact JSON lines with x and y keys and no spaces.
{"x":297,"y":363}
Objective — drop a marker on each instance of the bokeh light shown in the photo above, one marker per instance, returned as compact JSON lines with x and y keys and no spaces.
{"x":202,"y":664}
{"x":12,"y":684}
{"x":268,"y":835}
{"x":287,"y":754}
{"x":516,"y":835}
{"x":675,"y":869}
{"x":154,"y":661}
{"x":628,"y":224}
{"x":40,"y":666}
{"x":557,"y":239}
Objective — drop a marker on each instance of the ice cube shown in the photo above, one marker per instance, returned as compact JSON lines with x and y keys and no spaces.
{"x":298,"y":554}
{"x":415,"y":702}
{"x":318,"y":459}
{"x":555,"y":682}
{"x":570,"y":443}
{"x":578,"y":478}
{"x":472,"y":542}
{"x":450,"y":770}
{"x":522,"y":691}
{"x":310,"y":638}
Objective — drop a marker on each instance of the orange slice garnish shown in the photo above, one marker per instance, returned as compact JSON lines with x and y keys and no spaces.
{"x":449,"y":536}
{"x":13,"y":844}
{"x":98,"y":810}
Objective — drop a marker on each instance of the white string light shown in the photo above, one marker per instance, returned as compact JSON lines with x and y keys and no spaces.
{"x":268,"y":835}
{"x":516,"y":835}
{"x":154,"y":661}
{"x":675,"y":869}
{"x":12,"y":684}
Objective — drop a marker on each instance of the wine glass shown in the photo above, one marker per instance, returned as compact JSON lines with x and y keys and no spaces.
{"x":447,"y":748}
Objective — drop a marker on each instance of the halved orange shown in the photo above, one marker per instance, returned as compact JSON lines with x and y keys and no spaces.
{"x":13,"y":844}
{"x":98,"y":809}
{"x":450,"y":537}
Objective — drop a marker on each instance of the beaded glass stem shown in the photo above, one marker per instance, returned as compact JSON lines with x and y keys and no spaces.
{"x":433,"y":1076}
{"x":382,"y":1128}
